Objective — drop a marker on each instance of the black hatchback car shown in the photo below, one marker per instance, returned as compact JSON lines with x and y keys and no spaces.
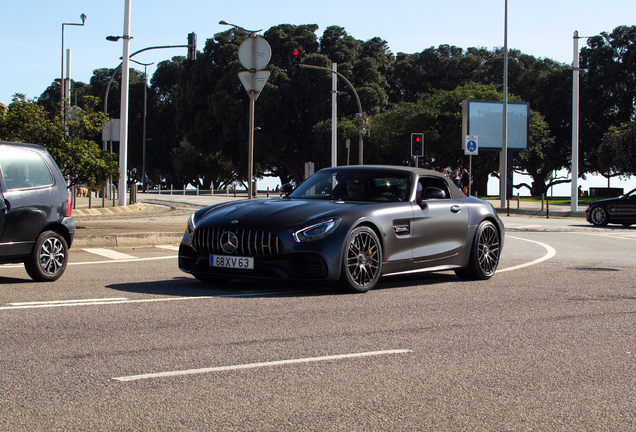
{"x":620,"y":210}
{"x":36,"y":226}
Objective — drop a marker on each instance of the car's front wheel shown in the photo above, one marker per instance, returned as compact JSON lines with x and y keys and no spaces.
{"x":599,"y":216}
{"x":362,"y":261}
{"x":48,"y":258}
{"x":484,"y":253}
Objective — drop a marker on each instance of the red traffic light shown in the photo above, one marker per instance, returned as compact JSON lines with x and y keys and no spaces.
{"x":296,"y":52}
{"x":418,"y":139}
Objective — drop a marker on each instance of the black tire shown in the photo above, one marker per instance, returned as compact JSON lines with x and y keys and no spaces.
{"x":484,"y":253}
{"x":48,"y":258}
{"x":362,"y":261}
{"x":599,"y":216}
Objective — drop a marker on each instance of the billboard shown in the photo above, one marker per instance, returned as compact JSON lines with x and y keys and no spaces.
{"x":485,"y":120}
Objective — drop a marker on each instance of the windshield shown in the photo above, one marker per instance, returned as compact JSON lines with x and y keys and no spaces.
{"x":355,"y":185}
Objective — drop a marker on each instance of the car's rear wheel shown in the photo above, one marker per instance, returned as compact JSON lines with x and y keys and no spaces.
{"x":599,"y":216}
{"x":484,"y":253}
{"x":48,"y":258}
{"x":362,"y":261}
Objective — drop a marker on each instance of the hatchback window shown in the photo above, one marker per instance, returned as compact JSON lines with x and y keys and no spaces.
{"x":23,"y":169}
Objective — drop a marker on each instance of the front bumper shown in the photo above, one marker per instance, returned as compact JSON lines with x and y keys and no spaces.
{"x":311,"y":261}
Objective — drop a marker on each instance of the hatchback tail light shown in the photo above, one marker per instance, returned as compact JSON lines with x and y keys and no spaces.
{"x":69,"y":206}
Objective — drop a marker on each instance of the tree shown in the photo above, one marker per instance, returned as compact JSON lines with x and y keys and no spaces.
{"x":542,"y":157}
{"x":617,"y":153}
{"x":608,"y":90}
{"x":79,"y":158}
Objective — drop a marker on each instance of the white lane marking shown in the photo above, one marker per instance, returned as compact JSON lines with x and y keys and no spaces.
{"x":168,"y":247}
{"x":549,"y":254}
{"x":257,"y":365}
{"x":98,"y":262}
{"x":123,"y":260}
{"x":118,"y":300}
{"x":109,"y":253}
{"x":523,"y":226}
{"x":613,"y":235}
{"x":65,"y":302}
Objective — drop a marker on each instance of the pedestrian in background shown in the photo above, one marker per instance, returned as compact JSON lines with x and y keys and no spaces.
{"x":465,"y":181}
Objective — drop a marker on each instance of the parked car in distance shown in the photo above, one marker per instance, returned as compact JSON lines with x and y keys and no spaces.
{"x":620,"y":210}
{"x":36,"y":225}
{"x":348,"y":226}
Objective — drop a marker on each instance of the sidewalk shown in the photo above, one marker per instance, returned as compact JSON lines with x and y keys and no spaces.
{"x":536,"y":208}
{"x":153,"y":220}
{"x":161,"y":219}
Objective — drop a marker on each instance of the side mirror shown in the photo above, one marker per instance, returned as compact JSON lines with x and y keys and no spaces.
{"x":287,"y":188}
{"x":434,"y":193}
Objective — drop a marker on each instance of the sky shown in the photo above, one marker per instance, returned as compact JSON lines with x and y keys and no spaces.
{"x":31,"y":30}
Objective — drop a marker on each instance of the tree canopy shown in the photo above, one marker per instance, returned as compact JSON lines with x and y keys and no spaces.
{"x":197,"y":109}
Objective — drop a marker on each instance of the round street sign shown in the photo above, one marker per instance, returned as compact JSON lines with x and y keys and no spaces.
{"x":472,"y":145}
{"x":256,"y":58}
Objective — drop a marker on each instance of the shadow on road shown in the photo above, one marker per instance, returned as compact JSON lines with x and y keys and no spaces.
{"x":190,"y":287}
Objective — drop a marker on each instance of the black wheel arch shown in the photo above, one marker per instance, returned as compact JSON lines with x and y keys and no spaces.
{"x":61,"y":230}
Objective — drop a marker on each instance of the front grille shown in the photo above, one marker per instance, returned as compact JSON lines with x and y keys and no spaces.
{"x":250,"y":242}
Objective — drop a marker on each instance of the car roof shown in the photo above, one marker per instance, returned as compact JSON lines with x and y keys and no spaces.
{"x":29,"y":146}
{"x":405,"y":169}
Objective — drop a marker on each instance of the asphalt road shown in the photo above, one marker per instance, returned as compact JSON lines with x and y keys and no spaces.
{"x":128,"y":342}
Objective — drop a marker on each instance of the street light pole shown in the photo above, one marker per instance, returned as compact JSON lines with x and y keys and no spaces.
{"x":144,"y":179}
{"x":123,"y":130}
{"x":504,"y":139}
{"x":62,"y":82}
{"x":574,"y":200}
{"x":360,"y":115}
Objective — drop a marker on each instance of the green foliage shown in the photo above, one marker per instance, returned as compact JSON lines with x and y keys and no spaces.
{"x":80,"y":159}
{"x":198,"y":110}
{"x":617,"y":153}
{"x":608,"y":91}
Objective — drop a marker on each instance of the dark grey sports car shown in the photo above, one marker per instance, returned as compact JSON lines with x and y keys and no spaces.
{"x":349,"y":226}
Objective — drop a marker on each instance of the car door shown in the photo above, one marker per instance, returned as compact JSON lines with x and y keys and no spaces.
{"x":27,"y":199}
{"x":439,"y":224}
{"x":624,"y":209}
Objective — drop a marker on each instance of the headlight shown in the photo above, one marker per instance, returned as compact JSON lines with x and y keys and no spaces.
{"x":317,"y":231}
{"x":191,"y":225}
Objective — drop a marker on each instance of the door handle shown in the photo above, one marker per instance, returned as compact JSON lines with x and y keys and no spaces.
{"x":456,"y":209}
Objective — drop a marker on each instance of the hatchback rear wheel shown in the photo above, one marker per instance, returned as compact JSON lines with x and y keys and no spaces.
{"x":48,"y":258}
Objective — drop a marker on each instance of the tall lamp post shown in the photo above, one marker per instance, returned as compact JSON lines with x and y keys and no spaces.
{"x":123,"y":129}
{"x":62,"y":82}
{"x":360,"y":115}
{"x":504,"y":138}
{"x":143,"y":138}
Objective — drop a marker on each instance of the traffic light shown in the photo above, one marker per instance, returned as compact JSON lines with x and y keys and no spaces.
{"x":192,"y":46}
{"x":295,"y":62}
{"x":417,"y":144}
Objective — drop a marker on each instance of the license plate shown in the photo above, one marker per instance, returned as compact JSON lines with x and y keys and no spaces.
{"x":234,"y":262}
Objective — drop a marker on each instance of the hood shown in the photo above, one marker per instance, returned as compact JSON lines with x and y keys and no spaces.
{"x":607,"y":201}
{"x":270,"y":214}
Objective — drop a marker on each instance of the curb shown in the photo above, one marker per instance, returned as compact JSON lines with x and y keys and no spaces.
{"x":141,"y":239}
{"x":538,"y":213}
{"x":99,"y":211}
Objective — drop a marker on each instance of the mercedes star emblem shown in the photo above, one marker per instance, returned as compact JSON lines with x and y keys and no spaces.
{"x":229,"y":242}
